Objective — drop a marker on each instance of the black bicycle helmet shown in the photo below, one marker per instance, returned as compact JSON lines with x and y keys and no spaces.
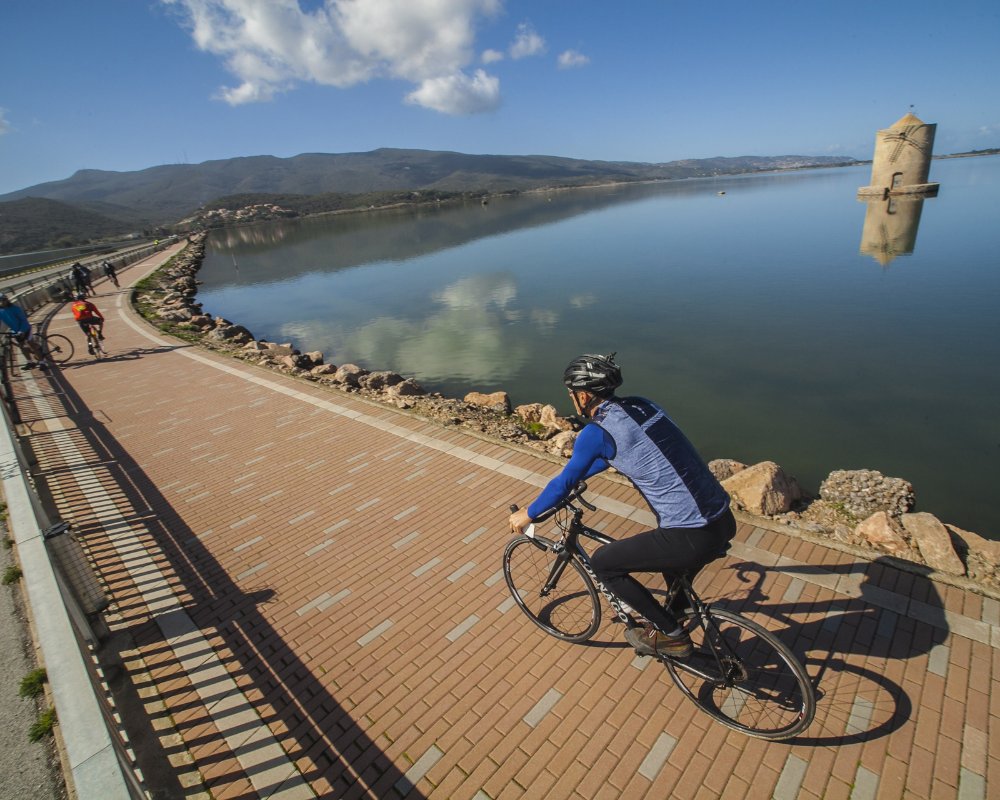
{"x":599,"y":375}
{"x":80,"y":296}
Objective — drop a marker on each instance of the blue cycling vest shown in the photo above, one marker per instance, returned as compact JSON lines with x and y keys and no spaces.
{"x":652,"y":452}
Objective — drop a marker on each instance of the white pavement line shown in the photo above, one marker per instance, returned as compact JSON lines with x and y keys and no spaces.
{"x":193,"y":651}
{"x":657,"y":756}
{"x":462,"y":628}
{"x":542,"y":707}
{"x":408,"y":782}
{"x":860,"y":718}
{"x":375,"y":632}
{"x":970,"y":785}
{"x":790,"y":780}
{"x":865,"y":785}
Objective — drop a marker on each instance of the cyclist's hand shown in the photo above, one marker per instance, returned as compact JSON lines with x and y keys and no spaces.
{"x":519,"y":520}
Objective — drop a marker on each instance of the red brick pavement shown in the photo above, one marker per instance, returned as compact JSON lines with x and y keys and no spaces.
{"x":312,"y":586}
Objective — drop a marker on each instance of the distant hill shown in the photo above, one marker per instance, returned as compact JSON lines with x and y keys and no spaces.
{"x":35,"y":223}
{"x":165,"y":194}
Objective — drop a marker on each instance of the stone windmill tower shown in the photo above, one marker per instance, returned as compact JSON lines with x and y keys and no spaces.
{"x":902,"y":159}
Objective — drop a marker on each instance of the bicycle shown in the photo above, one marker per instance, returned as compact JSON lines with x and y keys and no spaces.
{"x":94,"y":346}
{"x":55,"y":347}
{"x":740,"y":674}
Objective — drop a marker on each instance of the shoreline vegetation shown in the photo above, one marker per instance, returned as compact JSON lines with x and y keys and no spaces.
{"x":860,"y":511}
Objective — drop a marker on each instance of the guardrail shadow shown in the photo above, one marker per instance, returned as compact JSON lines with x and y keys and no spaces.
{"x":319,"y":736}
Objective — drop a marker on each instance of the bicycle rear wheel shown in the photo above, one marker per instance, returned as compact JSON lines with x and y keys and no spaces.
{"x":58,"y":348}
{"x":756,"y":685}
{"x":552,"y":589}
{"x":94,"y":345}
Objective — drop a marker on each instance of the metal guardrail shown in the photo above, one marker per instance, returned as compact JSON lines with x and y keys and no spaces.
{"x":13,"y":263}
{"x":31,"y":291}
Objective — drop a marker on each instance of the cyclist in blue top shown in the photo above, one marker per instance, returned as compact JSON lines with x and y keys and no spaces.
{"x":16,"y":320}
{"x":637,"y":438}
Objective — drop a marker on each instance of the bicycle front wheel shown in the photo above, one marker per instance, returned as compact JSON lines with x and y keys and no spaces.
{"x":58,"y":348}
{"x":552,"y":589}
{"x":744,"y":677}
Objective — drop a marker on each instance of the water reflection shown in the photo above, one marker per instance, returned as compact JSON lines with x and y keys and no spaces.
{"x":411,"y":232}
{"x":466,"y":337}
{"x":890,"y":228}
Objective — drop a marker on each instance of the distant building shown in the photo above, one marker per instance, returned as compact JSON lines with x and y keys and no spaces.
{"x":902,"y":160}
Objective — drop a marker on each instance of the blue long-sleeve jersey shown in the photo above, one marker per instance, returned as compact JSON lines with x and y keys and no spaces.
{"x":14,"y":318}
{"x":637,"y":438}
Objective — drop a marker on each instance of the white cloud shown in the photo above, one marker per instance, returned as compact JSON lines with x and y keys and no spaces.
{"x":272,"y":45}
{"x":458,"y":93}
{"x":526,"y":43}
{"x":4,"y":125}
{"x":572,"y":58}
{"x":490,"y":56}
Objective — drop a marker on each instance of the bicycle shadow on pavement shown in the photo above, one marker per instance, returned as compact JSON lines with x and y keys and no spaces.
{"x":124,"y":355}
{"x":315,"y":730}
{"x":854,"y":647}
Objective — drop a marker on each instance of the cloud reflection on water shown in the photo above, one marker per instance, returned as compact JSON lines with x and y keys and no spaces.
{"x":466,"y":337}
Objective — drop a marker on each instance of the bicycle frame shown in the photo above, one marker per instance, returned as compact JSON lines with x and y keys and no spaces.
{"x":569,"y":547}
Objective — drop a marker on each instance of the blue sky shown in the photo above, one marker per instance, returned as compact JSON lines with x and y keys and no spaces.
{"x":129,"y":84}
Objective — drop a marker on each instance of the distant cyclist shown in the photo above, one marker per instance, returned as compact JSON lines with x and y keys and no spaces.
{"x":16,"y":320}
{"x":694,"y":523}
{"x":87,"y":317}
{"x":109,"y":272}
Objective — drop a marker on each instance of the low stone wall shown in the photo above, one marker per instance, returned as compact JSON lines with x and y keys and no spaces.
{"x":857,"y":508}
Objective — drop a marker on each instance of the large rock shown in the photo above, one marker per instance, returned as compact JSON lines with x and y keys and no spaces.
{"x":406,"y":388}
{"x":296,"y":362}
{"x":763,"y":489}
{"x":279,"y":350}
{"x":350,"y":374}
{"x":934,"y":542}
{"x":880,"y":532}
{"x":381,"y":380}
{"x":724,"y":468}
{"x":174,"y":314}
{"x":981,"y":556}
{"x":497,"y":401}
{"x":562,"y":444}
{"x":862,"y":492}
{"x":551,"y":420}
{"x":236,"y":334}
{"x":544,"y":420}
{"x":324,"y":369}
{"x":530,"y":412}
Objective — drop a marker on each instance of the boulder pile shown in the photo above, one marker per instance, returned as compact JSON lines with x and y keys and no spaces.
{"x":860,"y":508}
{"x":864,"y":509}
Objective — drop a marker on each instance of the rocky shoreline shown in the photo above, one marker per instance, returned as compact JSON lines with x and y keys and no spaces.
{"x":860,"y":510}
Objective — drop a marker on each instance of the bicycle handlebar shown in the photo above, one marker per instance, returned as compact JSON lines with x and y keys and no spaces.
{"x":576,"y":495}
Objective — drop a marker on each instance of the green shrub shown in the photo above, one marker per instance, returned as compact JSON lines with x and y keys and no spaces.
{"x":43,"y":725}
{"x":12,"y":575}
{"x":32,"y":684}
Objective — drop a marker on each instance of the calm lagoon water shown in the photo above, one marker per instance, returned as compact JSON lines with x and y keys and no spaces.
{"x":772,"y":321}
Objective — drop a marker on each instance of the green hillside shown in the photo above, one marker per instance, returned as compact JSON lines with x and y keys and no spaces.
{"x":36,"y":223}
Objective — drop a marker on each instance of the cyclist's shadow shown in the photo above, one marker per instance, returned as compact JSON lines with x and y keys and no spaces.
{"x":853,"y":646}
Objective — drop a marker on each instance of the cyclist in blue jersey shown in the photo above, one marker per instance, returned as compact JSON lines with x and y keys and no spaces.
{"x":13,"y":316}
{"x":638,"y":439}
